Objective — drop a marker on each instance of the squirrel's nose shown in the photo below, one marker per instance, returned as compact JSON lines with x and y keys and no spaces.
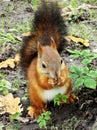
{"x":56,"y":76}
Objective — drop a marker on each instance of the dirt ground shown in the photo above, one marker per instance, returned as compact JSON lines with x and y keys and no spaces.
{"x":80,"y":115}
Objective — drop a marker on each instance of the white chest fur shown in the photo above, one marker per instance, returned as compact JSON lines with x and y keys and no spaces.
{"x":50,"y":94}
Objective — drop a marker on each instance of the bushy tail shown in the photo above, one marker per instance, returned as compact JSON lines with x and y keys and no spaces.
{"x":47,"y":23}
{"x":48,"y":16}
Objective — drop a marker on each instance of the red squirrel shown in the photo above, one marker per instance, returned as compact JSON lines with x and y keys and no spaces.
{"x":45,"y":69}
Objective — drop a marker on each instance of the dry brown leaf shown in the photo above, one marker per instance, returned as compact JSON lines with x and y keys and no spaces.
{"x":11,"y":62}
{"x":75,"y":39}
{"x":9,"y":104}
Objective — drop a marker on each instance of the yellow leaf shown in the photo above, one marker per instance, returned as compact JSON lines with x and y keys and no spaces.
{"x":26,"y":34}
{"x":11,"y":62}
{"x":75,"y":39}
{"x":10,"y":104}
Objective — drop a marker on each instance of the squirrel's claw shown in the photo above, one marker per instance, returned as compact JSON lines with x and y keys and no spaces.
{"x":72,"y":98}
{"x":34,"y":113}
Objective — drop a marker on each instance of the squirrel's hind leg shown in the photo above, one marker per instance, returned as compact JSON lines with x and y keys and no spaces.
{"x":37,"y":105}
{"x":35,"y":112}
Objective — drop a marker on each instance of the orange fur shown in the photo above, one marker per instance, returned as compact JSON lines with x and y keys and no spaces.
{"x":39,"y":82}
{"x":46,"y":73}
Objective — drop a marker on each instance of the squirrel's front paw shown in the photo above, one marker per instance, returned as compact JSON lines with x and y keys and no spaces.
{"x":51,"y":82}
{"x":61,"y":81}
{"x":35,"y":112}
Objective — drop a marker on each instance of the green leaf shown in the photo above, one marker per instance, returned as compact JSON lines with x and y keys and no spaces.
{"x":43,"y":118}
{"x":56,"y":102}
{"x":15,"y":116}
{"x":73,"y":76}
{"x":40,"y":117}
{"x":85,"y":53}
{"x":5,"y":91}
{"x":73,"y":51}
{"x":92,"y":74}
{"x":42,"y":124}
{"x":86,"y":61}
{"x":47,"y":117}
{"x":76,"y":70}
{"x":5,"y":83}
{"x":64,"y":98}
{"x":79,"y":82}
{"x":90,"y":83}
{"x":57,"y":99}
{"x":85,"y":70}
{"x":75,"y":56}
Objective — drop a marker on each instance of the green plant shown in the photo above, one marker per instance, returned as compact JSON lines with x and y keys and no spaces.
{"x":35,"y":4}
{"x":2,"y":75}
{"x":86,"y":55}
{"x":5,"y":86}
{"x":15,"y":125}
{"x":22,"y":28}
{"x":60,"y":98}
{"x":7,"y":37}
{"x":74,"y":5}
{"x":43,"y":119}
{"x":83,"y":76}
{"x":16,"y":84}
{"x":15,"y":116}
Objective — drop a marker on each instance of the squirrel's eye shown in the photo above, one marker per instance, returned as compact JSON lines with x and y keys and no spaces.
{"x":61,"y":61}
{"x":43,"y":65}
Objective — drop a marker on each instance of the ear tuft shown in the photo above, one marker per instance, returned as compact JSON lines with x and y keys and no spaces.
{"x":53,"y":44}
{"x":40,"y":49}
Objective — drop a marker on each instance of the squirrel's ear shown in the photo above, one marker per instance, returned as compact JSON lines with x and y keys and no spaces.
{"x":53,"y":44}
{"x":40,"y":49}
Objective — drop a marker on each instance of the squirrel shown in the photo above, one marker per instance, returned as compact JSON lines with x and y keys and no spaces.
{"x":45,"y":69}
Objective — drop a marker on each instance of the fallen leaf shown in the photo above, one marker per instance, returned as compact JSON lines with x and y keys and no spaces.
{"x":11,"y":62}
{"x":9,"y":104}
{"x":75,"y":39}
{"x":26,"y":34}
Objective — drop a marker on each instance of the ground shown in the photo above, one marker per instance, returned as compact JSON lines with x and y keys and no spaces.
{"x":15,"y":17}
